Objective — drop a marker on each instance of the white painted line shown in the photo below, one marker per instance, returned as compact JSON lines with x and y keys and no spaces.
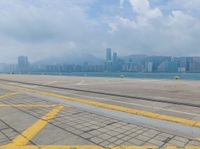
{"x":81,"y":83}
{"x":49,"y":83}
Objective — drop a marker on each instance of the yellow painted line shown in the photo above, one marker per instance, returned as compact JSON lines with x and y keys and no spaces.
{"x":186,"y":147}
{"x":30,"y":132}
{"x":8,"y":94}
{"x":93,"y":147}
{"x":79,"y":147}
{"x":198,"y":139}
{"x":113,"y":107}
{"x":26,"y":105}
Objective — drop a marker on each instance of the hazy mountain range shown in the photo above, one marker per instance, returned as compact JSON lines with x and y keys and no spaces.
{"x":71,"y":59}
{"x":82,"y":58}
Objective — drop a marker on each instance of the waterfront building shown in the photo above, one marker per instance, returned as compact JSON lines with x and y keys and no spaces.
{"x":108,"y":54}
{"x":194,"y":65}
{"x":23,"y":63}
{"x":182,"y":64}
{"x":149,"y":67}
{"x":114,"y":57}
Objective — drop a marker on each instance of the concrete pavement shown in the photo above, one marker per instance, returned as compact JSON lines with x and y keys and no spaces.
{"x":29,"y":121}
{"x":72,"y":126}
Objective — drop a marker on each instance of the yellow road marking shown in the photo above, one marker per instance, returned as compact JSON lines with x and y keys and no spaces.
{"x":113,"y":107}
{"x":20,"y":141}
{"x":79,"y":147}
{"x":27,"y":105}
{"x":30,"y":132}
{"x":8,"y":94}
{"x":198,"y":139}
{"x":93,"y":147}
{"x":186,"y":147}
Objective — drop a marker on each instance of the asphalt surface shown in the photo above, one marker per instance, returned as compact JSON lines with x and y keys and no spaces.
{"x":179,"y":90}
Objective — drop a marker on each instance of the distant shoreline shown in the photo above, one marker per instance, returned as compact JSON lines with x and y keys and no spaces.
{"x":136,"y":75}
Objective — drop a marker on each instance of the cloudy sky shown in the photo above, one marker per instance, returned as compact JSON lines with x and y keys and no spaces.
{"x":46,"y":28}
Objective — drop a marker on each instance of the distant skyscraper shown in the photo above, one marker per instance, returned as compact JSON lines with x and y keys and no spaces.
{"x":149,"y":67}
{"x":194,"y":64}
{"x":23,"y":64}
{"x":114,"y":57}
{"x":182,"y":64}
{"x":108,"y":54}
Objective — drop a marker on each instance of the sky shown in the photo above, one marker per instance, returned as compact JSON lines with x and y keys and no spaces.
{"x":53,"y":28}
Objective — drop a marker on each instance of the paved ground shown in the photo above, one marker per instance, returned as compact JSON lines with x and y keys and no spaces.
{"x":27,"y":120}
{"x":72,"y":126}
{"x":170,"y":90}
{"x":183,"y":90}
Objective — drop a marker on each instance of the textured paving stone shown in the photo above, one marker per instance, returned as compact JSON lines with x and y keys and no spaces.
{"x":3,"y":125}
{"x":3,"y":139}
{"x":193,"y":143}
{"x":177,"y":143}
{"x":181,"y":139}
{"x":86,"y":135}
{"x":135,"y":141}
{"x":79,"y":127}
{"x":105,"y":143}
{"x":156,"y":142}
{"x":96,"y":140}
{"x":143,"y":138}
{"x":104,"y":136}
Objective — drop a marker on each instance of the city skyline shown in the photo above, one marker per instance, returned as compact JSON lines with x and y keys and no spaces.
{"x":102,"y":59}
{"x":112,"y":63}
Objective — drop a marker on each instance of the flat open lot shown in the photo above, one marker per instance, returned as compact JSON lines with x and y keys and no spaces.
{"x":162,"y":90}
{"x":183,"y":90}
{"x":32,"y":116}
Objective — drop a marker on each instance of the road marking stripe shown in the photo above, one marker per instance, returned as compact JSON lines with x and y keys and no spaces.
{"x":198,"y":139}
{"x":49,"y":83}
{"x":8,"y":94}
{"x":30,"y":132}
{"x":80,"y":147}
{"x":26,"y":105}
{"x":113,"y":107}
{"x":93,"y":147}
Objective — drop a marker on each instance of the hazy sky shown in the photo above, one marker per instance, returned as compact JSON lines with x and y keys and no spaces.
{"x":45,"y":28}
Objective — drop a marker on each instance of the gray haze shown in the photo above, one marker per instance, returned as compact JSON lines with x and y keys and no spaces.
{"x":50,"y":28}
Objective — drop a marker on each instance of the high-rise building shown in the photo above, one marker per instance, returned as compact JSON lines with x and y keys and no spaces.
{"x":163,"y":67}
{"x":115,"y":57}
{"x":23,"y":63}
{"x":108,"y":54}
{"x":149,"y":67}
{"x":182,"y":64}
{"x":194,"y":64}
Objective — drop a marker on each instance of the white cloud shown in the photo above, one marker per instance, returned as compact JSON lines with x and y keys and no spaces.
{"x":121,"y":3}
{"x":34,"y":27}
{"x":41,"y":28}
{"x":140,"y":6}
{"x":152,"y":32}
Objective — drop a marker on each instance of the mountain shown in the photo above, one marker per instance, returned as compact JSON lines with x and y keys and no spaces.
{"x":134,"y":58}
{"x":71,"y":59}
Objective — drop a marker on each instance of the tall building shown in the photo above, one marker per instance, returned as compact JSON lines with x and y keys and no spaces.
{"x":163,"y":67}
{"x":149,"y":67}
{"x":108,"y":54}
{"x":182,"y":64}
{"x":23,"y":63}
{"x":115,"y":57}
{"x":194,"y":65}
